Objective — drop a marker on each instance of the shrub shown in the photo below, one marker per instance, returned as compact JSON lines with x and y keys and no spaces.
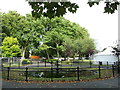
{"x":26,"y":61}
{"x":49,"y":60}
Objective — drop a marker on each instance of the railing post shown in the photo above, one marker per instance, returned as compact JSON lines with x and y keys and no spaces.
{"x":8,"y":76}
{"x":57,"y":69}
{"x":51,"y":64}
{"x":107,"y":64}
{"x":61,"y":63}
{"x":26,"y":74}
{"x":45,"y":62}
{"x":19,"y":63}
{"x":2,"y":65}
{"x":9,"y":64}
{"x":99,"y":71}
{"x":90,"y":64}
{"x":52,"y":74}
{"x":78,"y":74}
{"x":113,"y":70}
{"x":71,"y":63}
{"x":57,"y":63}
{"x":38,"y":63}
{"x":114,"y":63}
{"x":118,"y":68}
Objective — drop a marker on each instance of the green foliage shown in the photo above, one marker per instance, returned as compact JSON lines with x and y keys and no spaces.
{"x":110,"y":7}
{"x":81,"y":47}
{"x":10,"y":47}
{"x":26,"y":29}
{"x":65,"y":27}
{"x":68,"y":43}
{"x":88,"y":46}
{"x":49,"y":60}
{"x":52,"y":9}
{"x":54,"y":40}
{"x":25,"y":61}
{"x":60,"y":37}
{"x":59,"y":30}
{"x":10,"y":22}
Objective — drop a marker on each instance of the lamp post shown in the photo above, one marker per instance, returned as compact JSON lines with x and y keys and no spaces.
{"x":118,"y":53}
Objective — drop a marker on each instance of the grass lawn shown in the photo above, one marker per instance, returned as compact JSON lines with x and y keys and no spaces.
{"x":14,"y":65}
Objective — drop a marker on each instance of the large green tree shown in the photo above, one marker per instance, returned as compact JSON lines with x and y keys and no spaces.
{"x":82,"y":47}
{"x":64,"y":26}
{"x":26,"y":29}
{"x":68,"y":47}
{"x":10,"y":47}
{"x":88,"y":47}
{"x":10,"y":22}
{"x":54,"y":40}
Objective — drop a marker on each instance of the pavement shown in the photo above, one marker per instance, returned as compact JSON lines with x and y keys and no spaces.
{"x":108,"y":83}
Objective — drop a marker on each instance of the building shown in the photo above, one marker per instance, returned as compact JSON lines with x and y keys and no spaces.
{"x":105,"y":56}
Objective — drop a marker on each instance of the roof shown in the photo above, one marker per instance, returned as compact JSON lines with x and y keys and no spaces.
{"x":108,"y":51}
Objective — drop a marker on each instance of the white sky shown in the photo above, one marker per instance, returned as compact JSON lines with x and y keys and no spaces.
{"x":103,"y":28}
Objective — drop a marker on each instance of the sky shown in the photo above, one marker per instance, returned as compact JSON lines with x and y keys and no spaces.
{"x":102,"y":27}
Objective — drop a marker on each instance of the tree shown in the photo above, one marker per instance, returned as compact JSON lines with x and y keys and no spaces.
{"x":52,"y":9}
{"x":45,"y":48}
{"x":10,"y":22}
{"x":88,"y":47}
{"x":60,"y":30}
{"x":81,"y":47}
{"x":64,"y":26}
{"x":29,"y":33}
{"x":68,"y":49}
{"x":53,"y":39}
{"x":26,"y":29}
{"x":110,"y":7}
{"x":10,"y":47}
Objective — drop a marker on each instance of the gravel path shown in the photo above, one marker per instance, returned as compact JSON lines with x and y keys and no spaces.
{"x":109,"y":83}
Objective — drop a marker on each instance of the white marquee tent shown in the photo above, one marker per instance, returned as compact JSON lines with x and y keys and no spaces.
{"x":105,"y":56}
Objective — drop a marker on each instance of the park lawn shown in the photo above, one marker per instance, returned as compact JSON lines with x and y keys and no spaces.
{"x":14,"y":65}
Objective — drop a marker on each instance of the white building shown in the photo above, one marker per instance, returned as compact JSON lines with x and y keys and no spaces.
{"x":105,"y":56}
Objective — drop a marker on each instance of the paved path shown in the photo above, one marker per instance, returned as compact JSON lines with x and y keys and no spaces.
{"x":109,"y":83}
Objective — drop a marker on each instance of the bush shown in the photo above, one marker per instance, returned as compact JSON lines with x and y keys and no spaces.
{"x":49,"y":60}
{"x":26,"y":61}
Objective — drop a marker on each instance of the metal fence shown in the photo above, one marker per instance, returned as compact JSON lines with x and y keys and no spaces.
{"x":58,"y":74}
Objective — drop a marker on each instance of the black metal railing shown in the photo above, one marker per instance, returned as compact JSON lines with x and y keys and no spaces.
{"x":58,"y":73}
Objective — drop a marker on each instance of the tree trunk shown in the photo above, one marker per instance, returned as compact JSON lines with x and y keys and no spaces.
{"x":74,"y":56}
{"x":23,"y":52}
{"x":58,"y":54}
{"x":30,"y":53}
{"x":68,"y":59}
{"x":57,"y":51}
{"x":64,"y":57}
{"x":79,"y":57}
{"x":47,"y":54}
